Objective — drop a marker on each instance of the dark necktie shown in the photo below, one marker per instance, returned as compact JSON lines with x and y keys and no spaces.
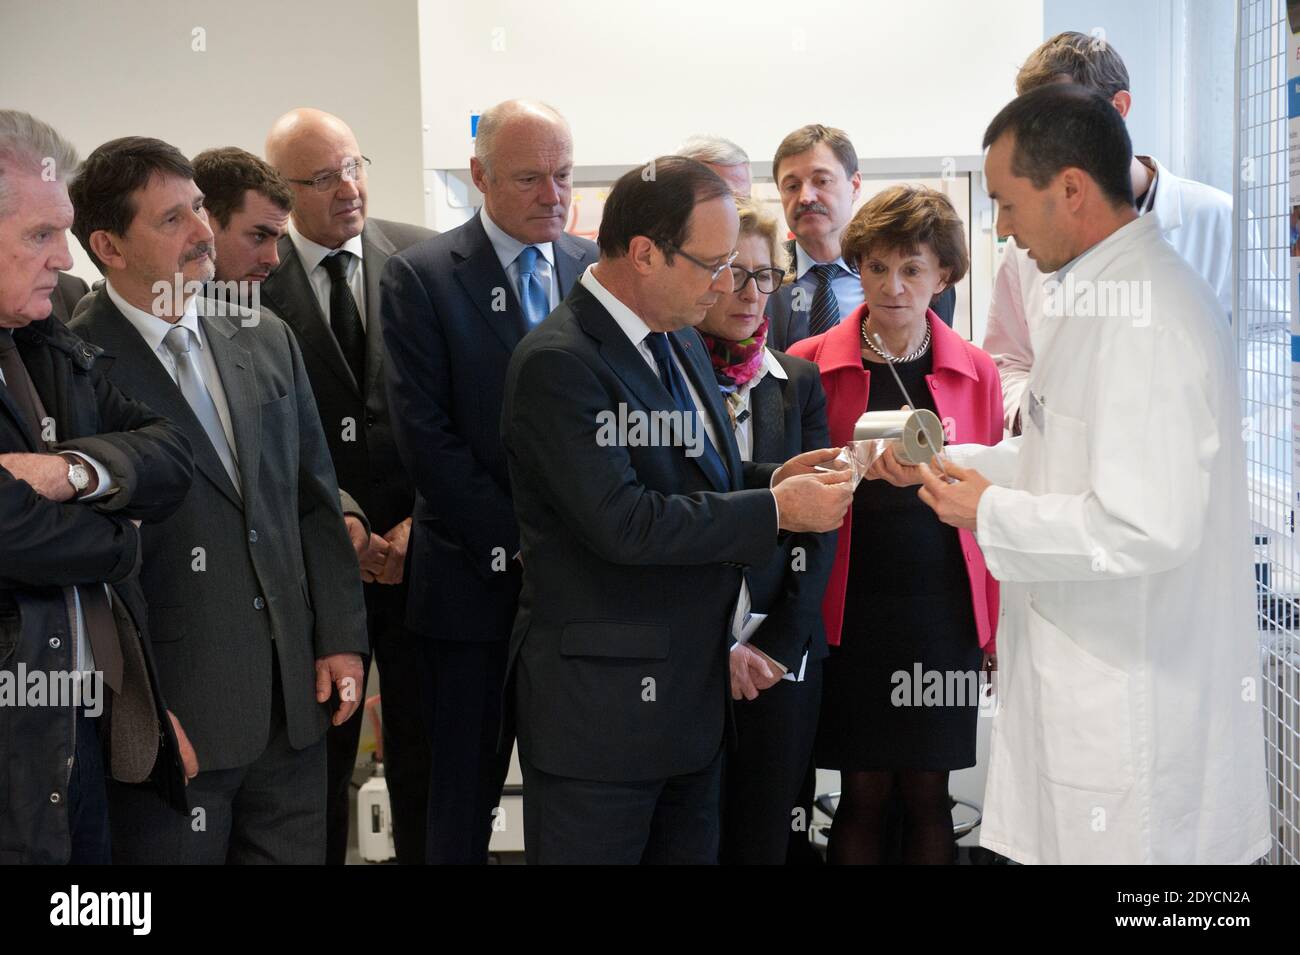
{"x":345,"y":319}
{"x":825,"y":312}
{"x":101,"y":629}
{"x":671,"y":378}
{"x":19,"y":384}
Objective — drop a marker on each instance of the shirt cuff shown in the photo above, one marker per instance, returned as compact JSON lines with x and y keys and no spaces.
{"x":105,"y":485}
{"x":771,"y":486}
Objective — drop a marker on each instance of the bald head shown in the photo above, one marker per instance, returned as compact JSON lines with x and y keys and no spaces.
{"x":308,"y":143}
{"x":515,"y":117}
{"x":523,"y":165}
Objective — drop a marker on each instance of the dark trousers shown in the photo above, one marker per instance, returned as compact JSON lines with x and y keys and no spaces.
{"x":766,"y":768}
{"x":670,"y":821}
{"x":270,"y":811}
{"x":406,"y":749}
{"x":462,"y":693}
{"x":88,"y":797}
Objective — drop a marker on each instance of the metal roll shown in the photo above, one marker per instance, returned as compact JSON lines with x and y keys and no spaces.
{"x":918,"y":434}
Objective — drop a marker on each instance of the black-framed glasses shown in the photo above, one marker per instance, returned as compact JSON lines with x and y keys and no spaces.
{"x":713,"y":270}
{"x":766,"y":280}
{"x":353,"y":170}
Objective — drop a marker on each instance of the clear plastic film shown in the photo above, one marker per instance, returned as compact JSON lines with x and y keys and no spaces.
{"x":917,"y":436}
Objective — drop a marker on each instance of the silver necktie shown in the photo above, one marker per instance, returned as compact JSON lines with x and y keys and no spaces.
{"x":195,"y":390}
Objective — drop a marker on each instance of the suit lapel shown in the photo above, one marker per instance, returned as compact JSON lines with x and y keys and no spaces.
{"x":235,"y":365}
{"x":695,"y":358}
{"x":570,"y":262}
{"x":142,"y":376}
{"x":375,"y":250}
{"x":294,"y":300}
{"x":767,"y":418}
{"x":481,"y":276}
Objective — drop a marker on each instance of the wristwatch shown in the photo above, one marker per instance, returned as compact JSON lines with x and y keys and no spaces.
{"x":78,"y":475}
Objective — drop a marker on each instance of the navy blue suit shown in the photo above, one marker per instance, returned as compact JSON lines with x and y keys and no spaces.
{"x":451,"y":319}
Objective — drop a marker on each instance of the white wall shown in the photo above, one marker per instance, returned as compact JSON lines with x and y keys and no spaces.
{"x":921,"y":78}
{"x":98,"y":69}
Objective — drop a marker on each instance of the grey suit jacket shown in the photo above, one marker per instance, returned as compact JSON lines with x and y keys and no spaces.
{"x":236,"y":582}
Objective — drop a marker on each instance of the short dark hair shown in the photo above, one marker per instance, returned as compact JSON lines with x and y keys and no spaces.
{"x":806,"y":137}
{"x":904,"y":218}
{"x":1062,"y":125}
{"x":1078,"y":58}
{"x":101,"y":192}
{"x":656,"y":200}
{"x":226,"y":173}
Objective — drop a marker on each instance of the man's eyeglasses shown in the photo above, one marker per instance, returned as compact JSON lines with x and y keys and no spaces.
{"x":713,"y":270}
{"x":766,"y":280}
{"x":353,"y":170}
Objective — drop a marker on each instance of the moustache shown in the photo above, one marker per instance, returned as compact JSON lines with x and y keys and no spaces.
{"x":811,"y":207}
{"x":200,"y":251}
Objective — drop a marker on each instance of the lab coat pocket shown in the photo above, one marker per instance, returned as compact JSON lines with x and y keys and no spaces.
{"x":1084,"y":737}
{"x":1066,"y":459}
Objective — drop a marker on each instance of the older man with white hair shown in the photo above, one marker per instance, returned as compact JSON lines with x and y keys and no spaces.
{"x":454,"y":307}
{"x":725,"y":158}
{"x":81,"y":466}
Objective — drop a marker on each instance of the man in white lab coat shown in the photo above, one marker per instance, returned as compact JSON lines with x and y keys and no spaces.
{"x":1195,"y":218}
{"x":1130,"y":728}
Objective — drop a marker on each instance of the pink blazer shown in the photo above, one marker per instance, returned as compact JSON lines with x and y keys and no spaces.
{"x":968,"y":394}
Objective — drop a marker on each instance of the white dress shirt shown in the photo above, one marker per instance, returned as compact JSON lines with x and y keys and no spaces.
{"x":313,"y":257}
{"x":153,"y":330}
{"x":507,"y":248}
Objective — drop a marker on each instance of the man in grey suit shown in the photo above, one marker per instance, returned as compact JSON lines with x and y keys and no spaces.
{"x":454,"y":309}
{"x":255,"y":607}
{"x":326,"y":288}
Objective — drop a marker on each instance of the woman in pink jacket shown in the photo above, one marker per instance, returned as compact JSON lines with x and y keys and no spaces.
{"x":910,"y":606}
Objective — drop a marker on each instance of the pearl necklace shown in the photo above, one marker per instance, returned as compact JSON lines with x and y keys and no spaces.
{"x":925,"y":343}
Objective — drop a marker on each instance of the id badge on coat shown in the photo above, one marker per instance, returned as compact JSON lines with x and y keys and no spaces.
{"x":1036,"y":415}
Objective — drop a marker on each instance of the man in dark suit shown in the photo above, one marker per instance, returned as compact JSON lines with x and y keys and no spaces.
{"x":305,"y":145}
{"x":636,"y":519}
{"x":81,"y":466}
{"x":454,"y":308}
{"x":817,"y":178}
{"x":66,"y":295}
{"x":255,"y":610}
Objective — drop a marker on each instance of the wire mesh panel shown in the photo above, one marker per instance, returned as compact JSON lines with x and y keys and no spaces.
{"x":1265,"y":231}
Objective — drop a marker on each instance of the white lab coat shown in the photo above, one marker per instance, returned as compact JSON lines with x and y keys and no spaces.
{"x":1194,"y":217}
{"x":1130,"y":728}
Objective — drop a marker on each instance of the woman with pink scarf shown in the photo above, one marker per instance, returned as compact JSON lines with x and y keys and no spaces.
{"x":778,"y":410}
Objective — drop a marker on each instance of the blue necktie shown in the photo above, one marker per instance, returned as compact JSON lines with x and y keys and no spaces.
{"x":672,"y":380}
{"x":532,"y":294}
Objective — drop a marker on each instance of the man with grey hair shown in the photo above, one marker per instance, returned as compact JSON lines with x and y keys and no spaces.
{"x":454,"y":307}
{"x":725,"y":158}
{"x":81,"y":466}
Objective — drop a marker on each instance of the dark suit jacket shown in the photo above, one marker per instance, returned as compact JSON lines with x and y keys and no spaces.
{"x":67,"y":294}
{"x":632,"y":559}
{"x":276,"y":574}
{"x":368,"y":466}
{"x":789,"y":325}
{"x":789,"y":417}
{"x":46,"y":546}
{"x":451,"y":321}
